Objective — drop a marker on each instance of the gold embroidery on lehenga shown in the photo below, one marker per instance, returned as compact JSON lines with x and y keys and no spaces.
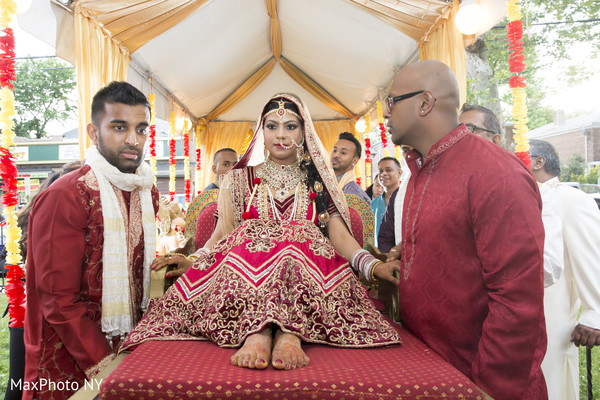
{"x":268,"y":271}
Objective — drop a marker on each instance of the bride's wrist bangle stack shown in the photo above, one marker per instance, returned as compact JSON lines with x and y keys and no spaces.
{"x":365,"y":263}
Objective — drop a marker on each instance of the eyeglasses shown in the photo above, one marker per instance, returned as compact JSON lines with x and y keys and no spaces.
{"x":389,"y":101}
{"x":474,"y":128}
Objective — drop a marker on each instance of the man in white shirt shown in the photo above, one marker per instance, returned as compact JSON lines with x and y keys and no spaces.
{"x":579,"y":284}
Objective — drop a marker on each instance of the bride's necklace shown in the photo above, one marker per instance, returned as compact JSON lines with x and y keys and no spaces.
{"x":281,"y":179}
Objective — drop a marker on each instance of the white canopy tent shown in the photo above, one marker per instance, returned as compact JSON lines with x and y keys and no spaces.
{"x":217,"y":61}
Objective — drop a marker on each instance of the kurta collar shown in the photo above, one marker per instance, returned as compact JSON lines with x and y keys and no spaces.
{"x":553,"y":182}
{"x":441,"y":146}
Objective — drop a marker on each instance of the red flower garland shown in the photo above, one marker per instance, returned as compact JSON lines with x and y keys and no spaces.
{"x":172,"y":162}
{"x":8,"y":172}
{"x":516,"y":58}
{"x":186,"y":153}
{"x":367,"y":150}
{"x":383,"y":135}
{"x":7,"y":59}
{"x":14,"y":289}
{"x":153,"y":140}
{"x":15,"y":292}
{"x":517,"y":81}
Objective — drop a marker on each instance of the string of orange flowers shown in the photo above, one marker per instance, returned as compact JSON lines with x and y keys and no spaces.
{"x":368,"y":149}
{"x":357,"y":166}
{"x":199,"y":127}
{"x":186,"y":162}
{"x":382,"y":129}
{"x":172,"y":149}
{"x":14,"y":288}
{"x":152,"y":101}
{"x":516,"y":64}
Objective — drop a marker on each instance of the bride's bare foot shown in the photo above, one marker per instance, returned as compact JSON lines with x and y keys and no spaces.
{"x":287,"y":352}
{"x":256,"y":351}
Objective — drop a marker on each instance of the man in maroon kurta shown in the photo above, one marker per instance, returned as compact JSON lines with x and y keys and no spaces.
{"x":471,"y":285}
{"x":65,"y":344}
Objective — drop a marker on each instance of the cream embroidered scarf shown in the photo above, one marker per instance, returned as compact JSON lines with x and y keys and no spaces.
{"x":116,"y":304}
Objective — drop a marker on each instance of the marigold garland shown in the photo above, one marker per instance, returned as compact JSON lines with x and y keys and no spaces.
{"x":172,"y":149}
{"x":357,"y":166}
{"x":516,"y":62}
{"x":382,"y":129}
{"x":368,"y":175}
{"x":186,"y":162}
{"x":152,"y":101}
{"x":397,"y":152}
{"x":14,"y":289}
{"x":7,"y":58}
{"x":201,"y":125}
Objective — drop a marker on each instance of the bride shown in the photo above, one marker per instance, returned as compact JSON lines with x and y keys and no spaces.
{"x":278,"y":269}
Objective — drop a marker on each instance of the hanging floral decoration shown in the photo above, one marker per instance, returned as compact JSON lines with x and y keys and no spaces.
{"x":357,"y":166}
{"x":186,"y":162}
{"x":382,"y":129}
{"x":368,"y":149}
{"x":199,"y":127}
{"x":172,"y":149}
{"x":397,"y":152}
{"x":152,"y":101}
{"x":14,"y":289}
{"x":516,"y":63}
{"x":7,"y":58}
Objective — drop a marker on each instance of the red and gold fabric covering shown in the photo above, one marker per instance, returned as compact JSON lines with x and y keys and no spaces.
{"x":199,"y":203}
{"x":193,"y":370}
{"x":362,"y":219}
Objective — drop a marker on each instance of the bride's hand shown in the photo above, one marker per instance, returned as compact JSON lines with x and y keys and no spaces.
{"x":182,"y":263}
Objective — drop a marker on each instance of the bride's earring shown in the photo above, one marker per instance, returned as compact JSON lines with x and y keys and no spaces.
{"x":299,"y":152}
{"x":266,"y":153}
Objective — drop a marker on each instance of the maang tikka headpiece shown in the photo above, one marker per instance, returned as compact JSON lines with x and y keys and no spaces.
{"x":281,"y":110}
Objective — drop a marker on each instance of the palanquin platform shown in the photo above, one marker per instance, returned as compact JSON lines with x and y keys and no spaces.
{"x":201,"y":370}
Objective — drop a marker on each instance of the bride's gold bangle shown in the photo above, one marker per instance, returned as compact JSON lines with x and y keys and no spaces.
{"x":175,"y":254}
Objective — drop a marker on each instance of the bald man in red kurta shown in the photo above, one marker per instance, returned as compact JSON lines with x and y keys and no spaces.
{"x":471,"y":285}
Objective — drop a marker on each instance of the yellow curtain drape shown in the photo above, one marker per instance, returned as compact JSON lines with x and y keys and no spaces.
{"x":445,"y":43}
{"x":313,"y":88}
{"x":100,"y":60}
{"x":275,"y":28}
{"x":243,"y":90}
{"x":217,"y":136}
{"x":328,"y":131}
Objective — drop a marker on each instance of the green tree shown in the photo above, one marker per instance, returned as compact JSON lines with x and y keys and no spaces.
{"x":552,"y":30}
{"x":573,"y":169}
{"x":43,"y":93}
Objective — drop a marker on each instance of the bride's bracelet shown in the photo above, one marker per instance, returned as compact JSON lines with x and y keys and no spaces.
{"x":364,"y":262}
{"x":194,"y":256}
{"x":168,"y":255}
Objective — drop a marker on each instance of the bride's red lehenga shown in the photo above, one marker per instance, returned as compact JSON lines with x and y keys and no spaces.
{"x":276,"y":267}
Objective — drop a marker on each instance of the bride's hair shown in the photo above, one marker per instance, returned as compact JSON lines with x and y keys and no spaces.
{"x":322,"y":199}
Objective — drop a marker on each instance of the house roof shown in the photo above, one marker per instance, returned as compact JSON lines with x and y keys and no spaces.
{"x":572,"y":124}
